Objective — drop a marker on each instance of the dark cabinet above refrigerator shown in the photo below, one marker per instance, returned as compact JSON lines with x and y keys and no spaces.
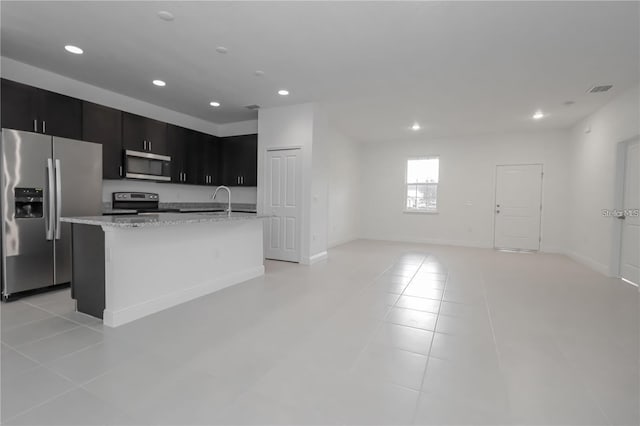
{"x":40,"y":111}
{"x":196,"y":158}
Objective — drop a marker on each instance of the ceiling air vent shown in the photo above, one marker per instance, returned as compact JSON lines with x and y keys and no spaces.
{"x":600,"y":89}
{"x":253,"y":107}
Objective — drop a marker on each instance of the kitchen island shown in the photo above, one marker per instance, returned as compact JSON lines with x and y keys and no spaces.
{"x":128,"y":267}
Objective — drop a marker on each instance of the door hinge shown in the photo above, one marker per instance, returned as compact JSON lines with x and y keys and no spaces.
{"x":540,"y":207}
{"x":539,"y":239}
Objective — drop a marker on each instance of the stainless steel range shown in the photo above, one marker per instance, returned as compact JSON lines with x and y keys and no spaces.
{"x":141,"y":202}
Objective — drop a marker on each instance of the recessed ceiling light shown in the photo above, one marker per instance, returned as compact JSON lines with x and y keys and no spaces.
{"x":538,"y":115}
{"x":165,"y":16}
{"x":222,"y":49}
{"x":259,"y":73}
{"x":415,"y":127}
{"x":73,"y":49}
{"x":214,"y":104}
{"x":283,"y":92}
{"x":159,"y":83}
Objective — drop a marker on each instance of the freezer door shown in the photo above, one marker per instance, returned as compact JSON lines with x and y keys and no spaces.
{"x":78,"y":188}
{"x":27,"y":247}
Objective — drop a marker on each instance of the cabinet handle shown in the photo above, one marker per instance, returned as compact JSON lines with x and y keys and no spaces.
{"x":35,"y":126}
{"x":150,"y":146}
{"x":242,"y":180}
{"x":120,"y":171}
{"x":44,"y":126}
{"x":185,"y":176}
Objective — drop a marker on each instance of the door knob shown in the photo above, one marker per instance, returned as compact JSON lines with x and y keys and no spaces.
{"x":497,"y":211}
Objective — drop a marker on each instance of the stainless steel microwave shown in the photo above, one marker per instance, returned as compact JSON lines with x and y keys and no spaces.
{"x":146,"y":165}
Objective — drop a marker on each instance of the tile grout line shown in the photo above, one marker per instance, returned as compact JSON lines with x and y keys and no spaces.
{"x":381,"y":322}
{"x":424,"y":374}
{"x":495,"y":345}
{"x":75,"y":387}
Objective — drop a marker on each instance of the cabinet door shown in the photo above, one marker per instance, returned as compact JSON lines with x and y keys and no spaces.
{"x":211,"y":160}
{"x":249,"y":160}
{"x":60,"y":115}
{"x":229,"y":163}
{"x":103,"y":125}
{"x":136,"y":130}
{"x":176,"y":145}
{"x":18,"y":106}
{"x":193,"y":158}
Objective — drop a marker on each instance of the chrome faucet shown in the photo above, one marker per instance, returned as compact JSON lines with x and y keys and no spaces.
{"x":228,"y":193}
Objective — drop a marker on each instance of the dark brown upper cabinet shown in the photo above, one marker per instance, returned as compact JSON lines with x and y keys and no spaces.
{"x":240,"y":160}
{"x":184,"y":147}
{"x":103,"y":125}
{"x":144,"y":134}
{"x":41,"y":111}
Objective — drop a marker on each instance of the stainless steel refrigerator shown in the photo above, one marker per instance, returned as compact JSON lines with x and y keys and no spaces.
{"x":43,"y":178}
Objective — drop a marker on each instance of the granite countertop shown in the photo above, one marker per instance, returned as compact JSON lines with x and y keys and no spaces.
{"x":188,"y":207}
{"x":159,"y":219}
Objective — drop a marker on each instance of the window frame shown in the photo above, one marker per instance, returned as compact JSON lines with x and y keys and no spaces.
{"x":406,"y":186}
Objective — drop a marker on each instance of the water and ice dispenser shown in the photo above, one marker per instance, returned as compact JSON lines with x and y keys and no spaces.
{"x":28,"y":203}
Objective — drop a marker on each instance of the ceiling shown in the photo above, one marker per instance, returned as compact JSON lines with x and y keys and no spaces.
{"x":454,"y":67}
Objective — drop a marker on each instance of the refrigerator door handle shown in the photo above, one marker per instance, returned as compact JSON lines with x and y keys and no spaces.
{"x":58,"y":200}
{"x":50,"y":201}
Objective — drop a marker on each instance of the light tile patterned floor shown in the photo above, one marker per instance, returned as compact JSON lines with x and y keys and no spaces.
{"x":382,"y":333}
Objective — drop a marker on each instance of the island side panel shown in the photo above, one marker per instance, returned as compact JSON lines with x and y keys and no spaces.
{"x":149,"y":269}
{"x":87,"y":280}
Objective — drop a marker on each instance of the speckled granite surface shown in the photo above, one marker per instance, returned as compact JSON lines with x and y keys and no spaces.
{"x":187,"y":207}
{"x":159,"y":219}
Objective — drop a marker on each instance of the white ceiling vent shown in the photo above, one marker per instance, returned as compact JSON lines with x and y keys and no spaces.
{"x":253,"y":107}
{"x":600,"y":89}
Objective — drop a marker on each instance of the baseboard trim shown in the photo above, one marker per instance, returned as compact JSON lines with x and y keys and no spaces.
{"x":132,"y":313}
{"x":439,"y":242}
{"x":587,"y":261}
{"x":342,"y":241}
{"x":315,"y":258}
{"x":583,"y":260}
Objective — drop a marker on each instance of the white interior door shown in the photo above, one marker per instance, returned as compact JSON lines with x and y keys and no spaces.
{"x":630,"y":250}
{"x":283,"y":202}
{"x":518,"y":207}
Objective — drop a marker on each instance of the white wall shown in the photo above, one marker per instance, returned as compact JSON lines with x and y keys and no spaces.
{"x":343,"y":194}
{"x":593,"y":179}
{"x":466,"y":189}
{"x":319,"y":183}
{"x":173,"y":192}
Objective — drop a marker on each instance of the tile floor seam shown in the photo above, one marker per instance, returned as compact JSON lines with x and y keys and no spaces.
{"x":13,"y":327}
{"x":42,"y":403}
{"x":424,"y":374}
{"x":495,"y":344}
{"x":584,"y":383}
{"x":46,"y":337}
{"x":40,"y":307}
{"x":350,"y":371}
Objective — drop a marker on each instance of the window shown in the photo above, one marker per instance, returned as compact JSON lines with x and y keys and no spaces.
{"x":422,"y":184}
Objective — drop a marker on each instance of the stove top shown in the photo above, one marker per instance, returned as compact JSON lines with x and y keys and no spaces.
{"x":138,"y":201}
